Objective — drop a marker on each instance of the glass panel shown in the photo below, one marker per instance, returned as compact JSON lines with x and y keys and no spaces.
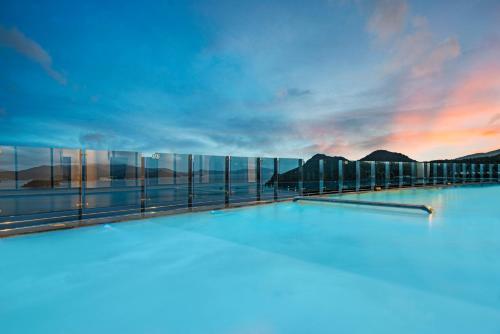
{"x":113,"y":182}
{"x":380,"y":174}
{"x":47,"y":185}
{"x":289,"y":177}
{"x":419,"y":173}
{"x":365,"y":175}
{"x":349,"y":175}
{"x":7,"y":168}
{"x":267,"y":179}
{"x":331,"y":175}
{"x":474,"y":173}
{"x":489,"y":173}
{"x":407,"y":174}
{"x":449,"y":172}
{"x":393,"y":174}
{"x":468,"y":173}
{"x":243,"y":179}
{"x":208,"y":180}
{"x":166,"y":181}
{"x":312,"y":175}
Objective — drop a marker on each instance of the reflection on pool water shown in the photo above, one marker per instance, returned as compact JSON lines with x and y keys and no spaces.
{"x":277,"y":268}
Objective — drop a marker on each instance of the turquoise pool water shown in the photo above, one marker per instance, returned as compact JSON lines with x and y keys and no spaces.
{"x":278,"y":268}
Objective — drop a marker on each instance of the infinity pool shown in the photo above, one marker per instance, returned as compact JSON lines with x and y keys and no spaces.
{"x":277,"y":268}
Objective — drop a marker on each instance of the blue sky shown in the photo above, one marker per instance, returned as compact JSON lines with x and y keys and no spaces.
{"x":274,"y":78}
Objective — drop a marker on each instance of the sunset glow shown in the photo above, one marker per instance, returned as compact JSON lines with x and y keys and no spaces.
{"x":276,"y":78}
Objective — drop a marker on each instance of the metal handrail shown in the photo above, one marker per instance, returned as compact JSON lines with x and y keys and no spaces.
{"x":425,"y":208}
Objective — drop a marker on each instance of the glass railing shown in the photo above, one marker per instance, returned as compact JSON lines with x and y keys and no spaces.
{"x":40,"y":186}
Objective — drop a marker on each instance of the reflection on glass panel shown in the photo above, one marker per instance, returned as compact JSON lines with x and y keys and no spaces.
{"x":268,"y":177}
{"x":7,"y":167}
{"x":289,"y":177}
{"x":66,"y":168}
{"x":365,"y":175}
{"x":419,"y":173}
{"x":407,"y":174}
{"x":468,"y":172}
{"x":462,"y":168}
{"x":489,"y":172}
{"x":208,"y":180}
{"x":452,"y":177}
{"x":380,"y":174}
{"x":393,"y":174}
{"x":312,"y":175}
{"x":166,"y":180}
{"x":349,"y":175}
{"x":243,"y":179}
{"x":331,"y":175}
{"x":46,"y":187}
{"x":113,"y":181}
{"x":473,"y":173}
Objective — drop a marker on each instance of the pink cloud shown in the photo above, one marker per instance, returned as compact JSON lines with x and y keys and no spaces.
{"x":388,"y":19}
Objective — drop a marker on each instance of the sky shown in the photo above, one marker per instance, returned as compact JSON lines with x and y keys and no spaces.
{"x":252,"y":78}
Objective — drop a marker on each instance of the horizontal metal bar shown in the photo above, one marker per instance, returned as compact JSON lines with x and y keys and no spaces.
{"x":425,"y":208}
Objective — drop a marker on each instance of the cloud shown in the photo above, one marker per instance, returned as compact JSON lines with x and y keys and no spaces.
{"x":94,"y":139}
{"x":419,"y":54}
{"x":15,"y":39}
{"x":293,"y":92}
{"x":388,"y":19}
{"x":433,"y":64}
{"x":495,"y":119}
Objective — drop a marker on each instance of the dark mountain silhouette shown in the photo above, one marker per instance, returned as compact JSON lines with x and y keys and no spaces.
{"x":383,"y":155}
{"x":480,"y":155}
{"x":477,"y":160}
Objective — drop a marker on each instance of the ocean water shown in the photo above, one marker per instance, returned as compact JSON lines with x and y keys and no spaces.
{"x":278,"y":268}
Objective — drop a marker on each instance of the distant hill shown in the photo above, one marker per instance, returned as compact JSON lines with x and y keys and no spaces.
{"x":480,"y":155}
{"x":478,"y":160}
{"x":383,"y":155}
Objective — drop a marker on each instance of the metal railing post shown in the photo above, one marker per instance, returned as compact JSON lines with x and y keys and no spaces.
{"x":434,"y":173}
{"x":454,"y":171}
{"x":341,"y":176}
{"x":413,"y":173}
{"x":259,"y":178}
{"x":83,"y":184}
{"x":276,"y":178}
{"x":16,"y":168}
{"x":190,"y":181}
{"x":372,"y":175}
{"x":301,"y":177}
{"x":321,"y":176}
{"x":358,"y":175}
{"x":445,"y":173}
{"x":144,"y":175}
{"x":387,"y":174}
{"x":401,"y":174}
{"x":464,"y":172}
{"x":227,"y":180}
{"x":52,"y":168}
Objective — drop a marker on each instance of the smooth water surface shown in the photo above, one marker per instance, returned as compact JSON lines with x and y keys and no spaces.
{"x":278,"y":268}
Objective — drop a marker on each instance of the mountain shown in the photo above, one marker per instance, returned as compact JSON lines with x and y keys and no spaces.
{"x":480,"y":155}
{"x":383,"y":155}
